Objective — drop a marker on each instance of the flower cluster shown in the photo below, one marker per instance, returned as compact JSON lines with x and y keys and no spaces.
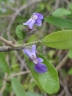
{"x":36,"y":18}
{"x":39,"y":66}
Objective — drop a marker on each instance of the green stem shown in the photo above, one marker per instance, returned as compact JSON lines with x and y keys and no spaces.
{"x":23,"y":45}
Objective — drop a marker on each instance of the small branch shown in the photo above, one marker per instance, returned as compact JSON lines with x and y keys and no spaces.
{"x":9,"y":43}
{"x":67,"y":93}
{"x":5,"y":49}
{"x":62,"y":62}
{"x":5,"y":16}
{"x":12,"y":47}
{"x":8,"y":7}
{"x":21,"y":73}
{"x":4,"y":84}
{"x":23,"y":45}
{"x":1,"y":94}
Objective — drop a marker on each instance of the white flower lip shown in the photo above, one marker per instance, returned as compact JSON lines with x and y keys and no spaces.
{"x":34,"y":59}
{"x":34,"y":17}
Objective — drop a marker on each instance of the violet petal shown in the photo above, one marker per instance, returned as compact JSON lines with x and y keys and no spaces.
{"x":40,"y":68}
{"x":30,"y":23}
{"x":27,"y":52}
{"x":40,"y":60}
{"x":38,"y":22}
{"x":33,"y":49}
{"x":40,"y":16}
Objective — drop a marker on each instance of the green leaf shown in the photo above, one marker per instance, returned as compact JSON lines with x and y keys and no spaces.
{"x":3,"y":64}
{"x":70,"y":71}
{"x":60,"y":40}
{"x":59,"y":22}
{"x":19,"y":32}
{"x":70,"y":6}
{"x":69,"y":16}
{"x":17,"y":87}
{"x":70,"y":53}
{"x":61,"y":12}
{"x":48,"y":81}
{"x":32,"y":94}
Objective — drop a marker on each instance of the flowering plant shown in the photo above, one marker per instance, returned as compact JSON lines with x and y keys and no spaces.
{"x":42,"y":71}
{"x":39,"y":67}
{"x":36,"y":18}
{"x":38,"y":52}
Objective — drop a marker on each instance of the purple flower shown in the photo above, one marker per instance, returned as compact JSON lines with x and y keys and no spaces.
{"x":39,"y":66}
{"x":36,"y":18}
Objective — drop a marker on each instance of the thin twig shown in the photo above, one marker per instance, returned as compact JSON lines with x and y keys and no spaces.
{"x":15,"y":47}
{"x":22,"y":62}
{"x":21,"y":73}
{"x":9,"y":43}
{"x":4,"y":84}
{"x":8,"y":7}
{"x":62,"y":62}
{"x":65,"y":88}
{"x":61,"y":94}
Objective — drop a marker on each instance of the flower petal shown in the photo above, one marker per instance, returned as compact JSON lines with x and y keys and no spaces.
{"x":38,"y":22}
{"x":30,"y":23}
{"x":27,"y":52}
{"x":40,"y":68}
{"x":40,"y":60}
{"x":34,"y":50}
{"x":40,"y":16}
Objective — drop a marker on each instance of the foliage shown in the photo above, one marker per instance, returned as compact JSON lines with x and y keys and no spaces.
{"x":70,"y":53}
{"x":19,"y":32}
{"x":17,"y":87}
{"x":70,"y":71}
{"x":3,"y":64}
{"x":53,"y":36}
{"x":60,"y":39}
{"x":48,"y":81}
{"x":59,"y":22}
{"x":61,"y":12}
